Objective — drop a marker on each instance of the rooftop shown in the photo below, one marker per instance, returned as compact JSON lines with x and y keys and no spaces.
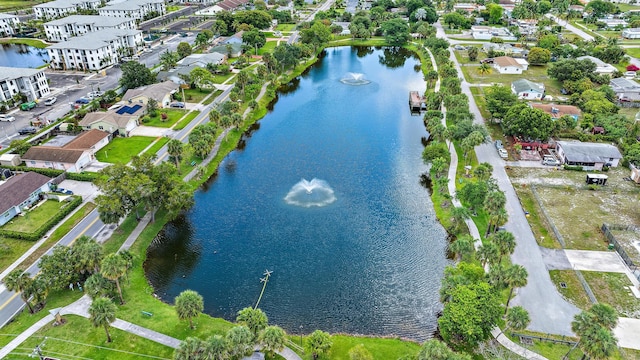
{"x":44,"y":153}
{"x":10,"y":73}
{"x":526,"y":85}
{"x":155,"y":91}
{"x":89,"y":19}
{"x":129,"y":4}
{"x":94,"y":40}
{"x":504,"y":61}
{"x":18,"y":188}
{"x":8,"y":16}
{"x":589,"y":152}
{"x":63,"y":4}
{"x":595,"y":60}
{"x":622,"y":84}
{"x":109,"y":117}
{"x":202,"y":59}
{"x":86,"y":140}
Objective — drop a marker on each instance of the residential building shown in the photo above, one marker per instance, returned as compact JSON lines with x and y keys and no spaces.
{"x":95,"y":50}
{"x":466,"y":7}
{"x":234,"y":39}
{"x":92,"y":140}
{"x":9,"y":160}
{"x":507,"y":49}
{"x":527,"y":90}
{"x":134,"y":9}
{"x":591,"y":156}
{"x":8,"y":24}
{"x":557,"y":111}
{"x":45,"y":157}
{"x":30,"y":82}
{"x":625,"y":89}
{"x":77,"y":25}
{"x":160,"y":92}
{"x":60,"y":8}
{"x":202,"y":2}
{"x":614,"y":23}
{"x":19,"y":192}
{"x":509,"y":65}
{"x":632,"y":33}
{"x":112,"y":122}
{"x":186,"y":65}
{"x":228,"y":5}
{"x":488,"y":32}
{"x":234,"y":51}
{"x":601,"y":66}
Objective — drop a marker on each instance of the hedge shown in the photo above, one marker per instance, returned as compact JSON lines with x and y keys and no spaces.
{"x":39,"y":233}
{"x":574,"y":168}
{"x":83,"y":176}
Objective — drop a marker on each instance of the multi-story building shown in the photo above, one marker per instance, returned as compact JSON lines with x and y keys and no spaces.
{"x":95,"y":50}
{"x":134,"y":9}
{"x":77,"y":25}
{"x":30,"y":82}
{"x":8,"y":24}
{"x":61,"y":8}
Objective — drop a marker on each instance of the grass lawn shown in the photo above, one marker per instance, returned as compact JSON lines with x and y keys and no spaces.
{"x":220,"y":79}
{"x":31,"y":42}
{"x":173,"y":115}
{"x":635,"y":52}
{"x":159,"y":144}
{"x":463,"y":56}
{"x":211,"y":98}
{"x":11,"y":250}
{"x":286,"y":27}
{"x":536,"y":220}
{"x":187,"y":119}
{"x":627,"y":7}
{"x":574,"y":292}
{"x":268,"y":47}
{"x":121,"y":150}
{"x":196,"y":95}
{"x":380,"y":348}
{"x":612,"y":289}
{"x":535,"y":74}
{"x":173,"y":8}
{"x":35,"y":218}
{"x":548,"y":349}
{"x":6,"y":5}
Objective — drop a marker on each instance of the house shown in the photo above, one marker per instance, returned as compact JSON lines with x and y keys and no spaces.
{"x":527,"y":90}
{"x":134,"y":9}
{"x":613,"y":23}
{"x":601,"y":66}
{"x":507,"y":49}
{"x":92,"y":140}
{"x":61,"y":8}
{"x":557,"y":111}
{"x":95,"y":50}
{"x":111,"y":121}
{"x":8,"y":24}
{"x":202,"y":60}
{"x":160,"y":92}
{"x":632,"y":33}
{"x":30,"y":82}
{"x":44,"y":157}
{"x":19,"y":192}
{"x":234,"y":50}
{"x":234,"y":39}
{"x":591,"y":156}
{"x":466,"y":7}
{"x":625,"y":89}
{"x":509,"y":65}
{"x":488,"y":32}
{"x":228,"y":5}
{"x":76,"y":25}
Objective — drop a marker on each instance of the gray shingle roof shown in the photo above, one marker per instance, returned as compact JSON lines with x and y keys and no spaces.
{"x":526,"y":85}
{"x":622,"y":85}
{"x":63,"y":4}
{"x":155,"y":91}
{"x":18,"y":188}
{"x":589,"y":152}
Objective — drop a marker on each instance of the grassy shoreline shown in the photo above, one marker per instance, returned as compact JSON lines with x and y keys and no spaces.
{"x":40,"y":44}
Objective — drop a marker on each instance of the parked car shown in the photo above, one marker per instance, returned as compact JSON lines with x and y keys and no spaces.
{"x":177,"y":104}
{"x":459,"y":47}
{"x":503,"y":153}
{"x":486,"y":61}
{"x":550,"y":160}
{"x":7,"y":117}
{"x":82,"y":100}
{"x":27,"y":130}
{"x":63,"y":191}
{"x":50,"y":101}
{"x":499,"y":144}
{"x":95,"y":94}
{"x":28,"y":105}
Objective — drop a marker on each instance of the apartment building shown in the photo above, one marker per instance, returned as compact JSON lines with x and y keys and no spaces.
{"x":61,"y":8}
{"x":134,"y":9}
{"x":8,"y":24}
{"x":30,"y":82}
{"x":77,"y":25}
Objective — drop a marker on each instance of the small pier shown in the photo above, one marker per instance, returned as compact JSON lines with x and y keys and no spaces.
{"x":417,"y":102}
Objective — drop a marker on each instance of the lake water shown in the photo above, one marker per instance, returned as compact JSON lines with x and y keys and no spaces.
{"x":24,"y":56}
{"x":368,"y":259}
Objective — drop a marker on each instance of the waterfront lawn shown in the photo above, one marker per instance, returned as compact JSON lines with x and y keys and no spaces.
{"x":173,"y":115}
{"x":534,"y":73}
{"x":31,"y":42}
{"x":11,"y":250}
{"x":574,"y":292}
{"x":34,"y":219}
{"x":120,"y":150}
{"x":613,"y":289}
{"x":380,"y":348}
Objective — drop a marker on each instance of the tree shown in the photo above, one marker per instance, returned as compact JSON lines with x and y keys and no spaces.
{"x":216,"y":347}
{"x":600,"y":8}
{"x":254,"y":38}
{"x":505,"y":241}
{"x":359,"y":352}
{"x":516,"y":277}
{"x":189,"y":304}
{"x":135,"y":74}
{"x":20,"y":146}
{"x":319,"y":343}
{"x":20,"y":281}
{"x":473,"y":194}
{"x":175,"y":148}
{"x":594,"y":329}
{"x":539,"y":56}
{"x":484,"y":69}
{"x":242,"y":79}
{"x":114,"y":267}
{"x":493,"y":204}
{"x":495,"y":13}
{"x":184,"y":49}
{"x":191,"y":349}
{"x":98,"y":286}
{"x":457,"y":20}
{"x":59,"y":268}
{"x":523,"y":120}
{"x":102,"y":312}
{"x":201,"y":39}
{"x":256,"y":18}
{"x":273,"y":339}
{"x":254,"y":319}
{"x":316,"y":35}
{"x":472,"y":140}
{"x":458,"y":216}
{"x":152,"y":107}
{"x":89,"y":254}
{"x":395,"y":31}
{"x":488,"y":253}
{"x":518,"y":318}
{"x":437,"y":350}
{"x":472,"y":53}
{"x":201,"y":77}
{"x":571,"y":69}
{"x":168,"y":60}
{"x":240,"y":342}
{"x":463,"y":246}
{"x":483,"y":171}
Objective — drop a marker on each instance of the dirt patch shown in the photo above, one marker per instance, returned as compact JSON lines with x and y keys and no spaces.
{"x":630,"y":241}
{"x":612,"y":288}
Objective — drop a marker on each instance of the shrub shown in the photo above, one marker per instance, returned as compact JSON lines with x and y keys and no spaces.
{"x":573,"y":168}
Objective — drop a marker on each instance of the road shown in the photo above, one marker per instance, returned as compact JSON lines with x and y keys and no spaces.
{"x":324,"y":7}
{"x":549,"y":311}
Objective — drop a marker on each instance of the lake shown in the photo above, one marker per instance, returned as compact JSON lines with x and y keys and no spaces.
{"x":358,"y":249}
{"x":24,"y":56}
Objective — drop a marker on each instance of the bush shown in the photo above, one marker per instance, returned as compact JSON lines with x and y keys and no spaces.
{"x":573,"y":168}
{"x":82,"y":176}
{"x":39,"y":233}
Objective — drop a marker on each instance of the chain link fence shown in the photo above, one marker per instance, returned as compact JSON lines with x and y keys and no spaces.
{"x":606,"y":229}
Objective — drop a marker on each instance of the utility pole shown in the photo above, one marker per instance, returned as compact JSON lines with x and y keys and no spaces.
{"x":37,"y":351}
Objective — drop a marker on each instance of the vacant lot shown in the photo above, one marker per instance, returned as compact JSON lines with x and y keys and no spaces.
{"x":534,"y":73}
{"x":121,"y":150}
{"x":34,"y":219}
{"x":613,"y":289}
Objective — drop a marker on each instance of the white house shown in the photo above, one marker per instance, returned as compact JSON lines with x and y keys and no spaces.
{"x":488,"y":32}
{"x":227,"y":5}
{"x":613,"y":23}
{"x":76,"y":25}
{"x":8,"y":24}
{"x":19,"y":192}
{"x":45,"y":157}
{"x":591,"y":156}
{"x":95,"y":50}
{"x":509,"y":65}
{"x":134,"y":9}
{"x":632,"y":33}
{"x":60,"y":8}
{"x":30,"y":82}
{"x":625,"y":89}
{"x":601,"y":66}
{"x":92,"y":141}
{"x":527,"y":90}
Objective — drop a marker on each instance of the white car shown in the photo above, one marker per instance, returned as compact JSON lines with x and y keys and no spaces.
{"x":95,"y":94}
{"x":6,"y":117}
{"x":50,"y":101}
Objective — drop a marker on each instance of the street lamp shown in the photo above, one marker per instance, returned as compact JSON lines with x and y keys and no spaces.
{"x":301,"y":335}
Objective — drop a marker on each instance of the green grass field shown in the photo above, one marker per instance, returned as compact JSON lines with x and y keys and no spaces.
{"x":187,"y":119}
{"x":574,"y":292}
{"x":35,"y":218}
{"x":613,"y":289}
{"x":11,"y":250}
{"x":8,"y":5}
{"x":157,"y":145}
{"x":196,"y":95}
{"x":534,"y":73}
{"x":121,"y":150}
{"x":31,"y":42}
{"x":268,"y":47}
{"x":173,"y":115}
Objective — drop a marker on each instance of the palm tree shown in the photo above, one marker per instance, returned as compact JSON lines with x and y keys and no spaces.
{"x":89,"y":254}
{"x":596,"y":339}
{"x":242,"y":79}
{"x":518,"y":318}
{"x":499,"y":219}
{"x":175,"y":148}
{"x":272,"y":339}
{"x":472,"y":53}
{"x":254,"y":319}
{"x":97,"y":285}
{"x":516,"y":277}
{"x":113,"y":268}
{"x":484,"y":69}
{"x":434,"y":350}
{"x":319,"y":343}
{"x":191,"y":348}
{"x":462,"y":246}
{"x":459,"y":215}
{"x":604,"y":315}
{"x":493,"y":204}
{"x":189,"y":304}
{"x":102,"y":312}
{"x":236,"y":119}
{"x":598,"y":344}
{"x":505,"y":241}
{"x":19,"y":281}
{"x":216,"y":348}
{"x":214,"y":116}
{"x":431,"y":77}
{"x":240,"y":341}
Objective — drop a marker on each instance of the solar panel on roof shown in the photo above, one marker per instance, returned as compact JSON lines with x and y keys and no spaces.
{"x":133,"y":109}
{"x":122,"y":110}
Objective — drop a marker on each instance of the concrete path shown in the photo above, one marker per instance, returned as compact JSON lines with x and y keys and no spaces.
{"x":515,"y":348}
{"x":142,"y":224}
{"x":142,"y":130}
{"x":628,"y":333}
{"x":602,"y":261}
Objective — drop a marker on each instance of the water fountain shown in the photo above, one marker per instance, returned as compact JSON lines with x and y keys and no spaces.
{"x":354,"y":79}
{"x":307,"y":193}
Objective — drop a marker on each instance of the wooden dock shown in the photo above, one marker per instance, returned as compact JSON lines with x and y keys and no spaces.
{"x":416,"y":102}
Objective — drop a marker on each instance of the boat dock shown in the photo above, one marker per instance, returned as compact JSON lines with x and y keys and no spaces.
{"x":416,"y":102}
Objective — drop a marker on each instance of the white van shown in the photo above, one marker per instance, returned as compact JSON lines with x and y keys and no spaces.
{"x":7,"y":117}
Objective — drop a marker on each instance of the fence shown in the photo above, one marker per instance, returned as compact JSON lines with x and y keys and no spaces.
{"x":606,"y":229}
{"x":540,"y":338}
{"x":556,"y":232}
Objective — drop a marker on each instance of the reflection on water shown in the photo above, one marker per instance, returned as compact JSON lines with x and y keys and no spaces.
{"x":19,"y":55}
{"x":368,"y":263}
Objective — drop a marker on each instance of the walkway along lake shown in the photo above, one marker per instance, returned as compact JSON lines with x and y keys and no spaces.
{"x":354,"y":247}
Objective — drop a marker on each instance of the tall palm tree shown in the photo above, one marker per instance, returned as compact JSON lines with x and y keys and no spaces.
{"x":516,"y":277}
{"x":459,"y":215}
{"x":493,"y":204}
{"x":505,"y":241}
{"x":236,"y":119}
{"x":518,"y":318}
{"x":255,"y":319}
{"x":272,"y":339}
{"x":102,"y":312}
{"x":19,"y":281}
{"x":214,"y":116}
{"x":89,"y":254}
{"x":240,"y":340}
{"x":462,"y":246}
{"x":216,"y":348}
{"x":189,"y":304}
{"x":191,"y":348}
{"x":319,"y":343}
{"x":114,"y":267}
{"x":175,"y":148}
